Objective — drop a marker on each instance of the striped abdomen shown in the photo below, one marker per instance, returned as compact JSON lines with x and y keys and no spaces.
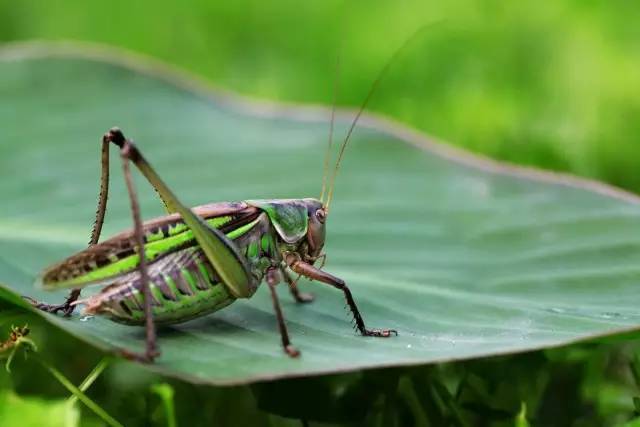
{"x":183,"y":286}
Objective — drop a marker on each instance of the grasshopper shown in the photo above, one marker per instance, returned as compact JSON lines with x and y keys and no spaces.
{"x":193,"y":262}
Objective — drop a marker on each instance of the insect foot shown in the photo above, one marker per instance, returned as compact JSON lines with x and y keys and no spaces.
{"x":384,"y":333}
{"x":292,"y":351}
{"x":147,"y":357}
{"x":66,"y":307}
{"x":304,"y":297}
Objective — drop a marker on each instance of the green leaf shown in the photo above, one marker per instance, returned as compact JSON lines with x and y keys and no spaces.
{"x":464,"y":257}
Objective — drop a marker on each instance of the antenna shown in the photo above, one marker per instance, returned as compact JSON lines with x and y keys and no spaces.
{"x":372,"y":90}
{"x":327,"y":154}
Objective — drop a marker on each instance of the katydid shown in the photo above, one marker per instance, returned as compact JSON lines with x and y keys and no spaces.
{"x":193,"y":262}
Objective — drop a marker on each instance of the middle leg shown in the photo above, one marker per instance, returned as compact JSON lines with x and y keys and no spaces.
{"x":300,"y":297}
{"x":313,"y":273}
{"x":272,"y":281}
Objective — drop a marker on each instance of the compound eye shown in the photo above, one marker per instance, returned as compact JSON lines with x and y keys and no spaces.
{"x":321,"y":215}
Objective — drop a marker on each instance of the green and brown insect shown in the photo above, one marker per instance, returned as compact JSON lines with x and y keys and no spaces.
{"x":193,"y":262}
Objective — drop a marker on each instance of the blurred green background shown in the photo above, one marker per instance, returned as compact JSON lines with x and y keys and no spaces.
{"x":552,"y":84}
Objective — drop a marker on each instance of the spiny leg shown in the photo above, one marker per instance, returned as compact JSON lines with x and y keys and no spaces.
{"x":272,"y":281}
{"x":118,"y":139}
{"x":68,"y":306}
{"x":101,"y":210}
{"x":151,"y":351}
{"x":313,"y":273}
{"x":300,"y":297}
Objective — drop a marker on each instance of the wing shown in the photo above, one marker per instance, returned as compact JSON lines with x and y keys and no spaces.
{"x":117,"y":255}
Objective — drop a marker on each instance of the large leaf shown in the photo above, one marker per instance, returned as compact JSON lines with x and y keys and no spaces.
{"x":464,"y":257}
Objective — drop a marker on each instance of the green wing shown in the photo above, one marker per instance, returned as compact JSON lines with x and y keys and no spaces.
{"x":117,"y":256}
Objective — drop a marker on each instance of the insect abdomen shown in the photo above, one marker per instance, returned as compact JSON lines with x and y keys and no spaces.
{"x":183,"y":287}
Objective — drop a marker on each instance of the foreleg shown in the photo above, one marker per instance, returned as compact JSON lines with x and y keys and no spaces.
{"x":309,"y":271}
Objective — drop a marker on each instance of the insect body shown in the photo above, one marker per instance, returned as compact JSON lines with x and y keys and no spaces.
{"x":194,"y":261}
{"x":183,"y":282}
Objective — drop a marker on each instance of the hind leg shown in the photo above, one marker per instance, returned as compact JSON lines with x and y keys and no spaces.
{"x":67,"y":307}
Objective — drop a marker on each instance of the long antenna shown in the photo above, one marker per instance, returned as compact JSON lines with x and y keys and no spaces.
{"x":327,"y":154}
{"x":373,"y":88}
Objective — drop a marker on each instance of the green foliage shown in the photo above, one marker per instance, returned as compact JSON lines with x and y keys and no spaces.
{"x":552,"y":84}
